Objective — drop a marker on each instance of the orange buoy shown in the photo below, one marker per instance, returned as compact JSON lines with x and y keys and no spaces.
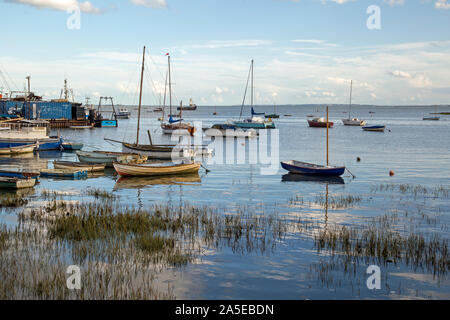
{"x":391,"y":173}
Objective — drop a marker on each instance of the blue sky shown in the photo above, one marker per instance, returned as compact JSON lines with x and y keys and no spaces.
{"x":305,"y":51}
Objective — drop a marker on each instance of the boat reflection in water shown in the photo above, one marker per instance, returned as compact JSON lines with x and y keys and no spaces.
{"x":290,"y":177}
{"x":141,"y":182}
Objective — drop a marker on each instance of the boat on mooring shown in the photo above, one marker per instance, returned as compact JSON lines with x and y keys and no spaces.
{"x":299,"y":167}
{"x":320,"y":123}
{"x":94,"y":167}
{"x":71,"y":146}
{"x":64,"y":173}
{"x":107,"y":158}
{"x":28,"y":132}
{"x":229,"y":130}
{"x":16,"y":183}
{"x":123,"y":113}
{"x":155,"y":170}
{"x":27,"y":148}
{"x":352,"y":121}
{"x":374,"y":128}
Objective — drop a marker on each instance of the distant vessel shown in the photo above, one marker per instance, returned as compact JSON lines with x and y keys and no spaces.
{"x":432,"y":118}
{"x":123,"y":113}
{"x":374,"y":128}
{"x":352,"y":121}
{"x":100,"y":121}
{"x":253,"y":122}
{"x":273,"y":115}
{"x":192,"y":106}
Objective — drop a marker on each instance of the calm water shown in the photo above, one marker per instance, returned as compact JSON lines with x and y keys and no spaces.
{"x":416,"y":150}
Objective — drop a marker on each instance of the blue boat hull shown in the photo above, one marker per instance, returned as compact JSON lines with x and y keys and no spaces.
{"x":47,"y":144}
{"x":320,"y":171}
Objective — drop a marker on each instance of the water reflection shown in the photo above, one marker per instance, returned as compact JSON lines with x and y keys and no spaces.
{"x":141,"y":182}
{"x":290,"y":177}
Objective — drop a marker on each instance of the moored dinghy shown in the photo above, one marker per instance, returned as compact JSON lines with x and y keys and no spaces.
{"x":16,"y":183}
{"x":64,"y":173}
{"x":70,"y":146}
{"x":155,"y":170}
{"x":299,"y":167}
{"x":28,"y":148}
{"x":374,"y":128}
{"x":78,"y":165}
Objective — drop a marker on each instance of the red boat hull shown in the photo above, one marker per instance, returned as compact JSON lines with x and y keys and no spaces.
{"x":316,"y":124}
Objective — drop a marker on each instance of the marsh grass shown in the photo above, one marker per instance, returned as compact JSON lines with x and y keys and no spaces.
{"x":337,"y":202}
{"x":8,"y":200}
{"x":439,"y":191}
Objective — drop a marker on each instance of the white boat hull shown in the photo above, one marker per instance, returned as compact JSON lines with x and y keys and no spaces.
{"x":353,"y":122}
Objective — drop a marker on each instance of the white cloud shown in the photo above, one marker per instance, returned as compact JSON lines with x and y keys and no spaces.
{"x":442,"y":4}
{"x":150,"y":3}
{"x":60,"y":5}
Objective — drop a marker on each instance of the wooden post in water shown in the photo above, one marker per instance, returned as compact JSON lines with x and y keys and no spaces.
{"x":140,"y":98}
{"x":327,"y":135}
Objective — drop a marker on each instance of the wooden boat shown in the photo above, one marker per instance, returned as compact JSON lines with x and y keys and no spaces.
{"x":352,"y":121}
{"x":374,"y":128}
{"x":70,"y":146}
{"x":299,"y":167}
{"x":107,"y":158}
{"x":28,"y":148}
{"x":64,"y":173}
{"x":153,"y":170}
{"x":79,"y":165}
{"x":16,"y":183}
{"x":19,"y":174}
{"x":319,"y":123}
{"x":81,"y":127}
{"x":431,"y":118}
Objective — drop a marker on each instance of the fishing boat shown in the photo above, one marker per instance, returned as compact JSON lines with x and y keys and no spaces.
{"x":352,"y":121}
{"x":299,"y":167}
{"x":155,"y":170}
{"x":254,"y":122}
{"x":70,"y":146}
{"x":374,"y":128}
{"x":175,"y":125}
{"x":123,"y":113}
{"x":229,"y":130}
{"x":320,"y":123}
{"x":28,"y":132}
{"x":27,"y":148}
{"x":74,"y":173}
{"x":192,"y":106}
{"x":16,"y":183}
{"x":78,"y":165}
{"x":100,"y":121}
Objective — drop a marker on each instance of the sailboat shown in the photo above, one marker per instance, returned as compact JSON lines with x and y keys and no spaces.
{"x":352,"y":121}
{"x":432,"y":118}
{"x":253,"y":122}
{"x":273,"y":115}
{"x":152,"y":150}
{"x":215,"y":111}
{"x":299,"y":167}
{"x":175,"y":124}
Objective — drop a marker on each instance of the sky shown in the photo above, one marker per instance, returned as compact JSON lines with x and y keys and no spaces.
{"x":397,"y":52}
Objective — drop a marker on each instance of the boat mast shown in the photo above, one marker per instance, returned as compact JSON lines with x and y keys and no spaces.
{"x":252,"y":83}
{"x":170,"y":87}
{"x":327,"y":135}
{"x":350,"y":106}
{"x":165,"y":90}
{"x":140,"y":98}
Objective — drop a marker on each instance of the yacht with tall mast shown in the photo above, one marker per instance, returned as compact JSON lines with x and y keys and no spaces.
{"x":352,"y":121}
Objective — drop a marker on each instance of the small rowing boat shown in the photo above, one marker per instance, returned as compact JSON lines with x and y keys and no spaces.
{"x":70,"y":146}
{"x":78,"y":165}
{"x":153,"y":170}
{"x":107,"y":158}
{"x":374,"y":128}
{"x":299,"y":167}
{"x":19,"y":174}
{"x":64,"y":173}
{"x":27,"y":148}
{"x":16,"y":183}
